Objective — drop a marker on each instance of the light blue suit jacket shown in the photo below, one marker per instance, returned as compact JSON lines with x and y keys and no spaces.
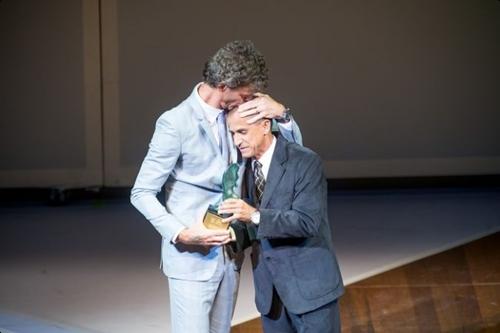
{"x":184,"y":156}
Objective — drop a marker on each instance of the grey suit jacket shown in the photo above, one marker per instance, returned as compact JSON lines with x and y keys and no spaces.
{"x":293,"y":252}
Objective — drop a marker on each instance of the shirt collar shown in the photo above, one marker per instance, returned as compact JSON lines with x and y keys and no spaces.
{"x":209,"y":111}
{"x":266,"y":158}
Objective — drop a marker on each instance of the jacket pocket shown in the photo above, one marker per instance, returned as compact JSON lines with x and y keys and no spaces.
{"x":315,"y":271}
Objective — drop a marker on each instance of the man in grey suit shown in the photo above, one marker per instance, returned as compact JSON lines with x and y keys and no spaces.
{"x":188,"y":154}
{"x":284,"y":206}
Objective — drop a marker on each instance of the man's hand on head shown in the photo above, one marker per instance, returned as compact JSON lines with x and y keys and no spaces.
{"x":199,"y":235}
{"x":239,"y":209}
{"x":262,"y":106}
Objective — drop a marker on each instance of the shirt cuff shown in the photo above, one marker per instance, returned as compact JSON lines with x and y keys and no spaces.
{"x":174,"y":239}
{"x":255,"y":217}
{"x":286,"y":126}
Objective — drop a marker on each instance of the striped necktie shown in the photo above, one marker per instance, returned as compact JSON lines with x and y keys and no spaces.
{"x":260,"y":181}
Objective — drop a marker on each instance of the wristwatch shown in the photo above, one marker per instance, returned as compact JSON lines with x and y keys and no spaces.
{"x":285,"y":117}
{"x":255,"y":217}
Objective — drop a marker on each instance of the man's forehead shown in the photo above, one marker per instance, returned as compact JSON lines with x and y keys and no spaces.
{"x":234,"y":117}
{"x":236,"y":121}
{"x":247,"y":90}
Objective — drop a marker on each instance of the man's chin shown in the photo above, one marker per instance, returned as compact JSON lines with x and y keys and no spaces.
{"x":245,"y":153}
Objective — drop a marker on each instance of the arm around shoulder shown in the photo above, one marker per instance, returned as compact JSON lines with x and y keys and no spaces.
{"x":290,"y":131}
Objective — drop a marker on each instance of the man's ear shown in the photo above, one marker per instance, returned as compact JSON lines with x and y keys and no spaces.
{"x":266,"y":123}
{"x":221,"y":87}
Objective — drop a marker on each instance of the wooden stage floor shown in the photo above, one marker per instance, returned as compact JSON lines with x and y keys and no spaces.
{"x":93,"y":266}
{"x":454,"y":291}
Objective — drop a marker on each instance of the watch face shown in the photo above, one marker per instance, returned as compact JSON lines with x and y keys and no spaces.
{"x":285,"y":117}
{"x":255,"y":217}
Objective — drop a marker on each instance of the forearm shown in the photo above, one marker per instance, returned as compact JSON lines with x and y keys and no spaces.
{"x":290,"y":131}
{"x":276,"y":223}
{"x":147,"y":204}
{"x":162,"y":155}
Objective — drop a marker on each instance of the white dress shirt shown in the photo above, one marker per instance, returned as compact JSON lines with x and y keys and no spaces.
{"x":210,"y":112}
{"x":265,"y":159}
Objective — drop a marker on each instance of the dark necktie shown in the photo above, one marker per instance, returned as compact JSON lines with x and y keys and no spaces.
{"x":221,"y":126}
{"x":260,"y":181}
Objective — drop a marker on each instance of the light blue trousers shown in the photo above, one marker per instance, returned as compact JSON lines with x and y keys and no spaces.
{"x":205,"y":306}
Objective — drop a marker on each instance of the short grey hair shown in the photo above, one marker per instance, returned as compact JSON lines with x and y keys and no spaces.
{"x":235,"y":65}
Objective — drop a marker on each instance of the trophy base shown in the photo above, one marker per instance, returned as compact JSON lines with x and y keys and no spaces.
{"x":212,"y":220}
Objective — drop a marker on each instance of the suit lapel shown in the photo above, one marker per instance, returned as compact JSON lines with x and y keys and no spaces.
{"x":208,"y":133}
{"x":234,"y":155}
{"x":249,"y":188}
{"x":248,"y":194}
{"x":202,"y":122}
{"x":276,"y":170}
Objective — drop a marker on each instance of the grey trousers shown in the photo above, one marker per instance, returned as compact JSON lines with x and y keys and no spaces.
{"x":205,"y":306}
{"x":325,"y":319}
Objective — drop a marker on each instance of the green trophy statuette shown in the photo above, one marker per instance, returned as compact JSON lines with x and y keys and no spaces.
{"x":212,"y":219}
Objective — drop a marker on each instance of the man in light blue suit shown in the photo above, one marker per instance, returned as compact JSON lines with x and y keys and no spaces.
{"x":284,"y":205}
{"x":188,"y":154}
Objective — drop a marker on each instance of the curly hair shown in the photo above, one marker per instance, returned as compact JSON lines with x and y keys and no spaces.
{"x":237,"y":64}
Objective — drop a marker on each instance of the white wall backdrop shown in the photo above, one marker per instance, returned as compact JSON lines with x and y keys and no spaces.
{"x":380,"y":88}
{"x":50,"y":96}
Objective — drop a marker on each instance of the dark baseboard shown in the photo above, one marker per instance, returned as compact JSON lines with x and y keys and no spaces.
{"x":57,"y":197}
{"x":482,"y":181}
